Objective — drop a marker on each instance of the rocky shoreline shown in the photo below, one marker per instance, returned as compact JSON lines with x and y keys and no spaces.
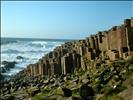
{"x":7,"y":66}
{"x":113,"y":44}
{"x":99,"y":67}
{"x":107,"y":81}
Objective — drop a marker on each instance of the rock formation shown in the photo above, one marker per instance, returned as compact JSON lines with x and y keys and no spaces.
{"x":110,"y":45}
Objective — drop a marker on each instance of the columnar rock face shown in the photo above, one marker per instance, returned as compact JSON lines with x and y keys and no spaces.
{"x":113,"y":44}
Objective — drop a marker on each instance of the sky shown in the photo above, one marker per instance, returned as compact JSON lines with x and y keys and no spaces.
{"x":61,"y":19}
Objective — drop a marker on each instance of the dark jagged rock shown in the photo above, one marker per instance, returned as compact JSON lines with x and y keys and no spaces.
{"x":2,"y":70}
{"x":4,"y":62}
{"x":19,"y":57}
{"x":1,"y":77}
{"x":8,"y":64}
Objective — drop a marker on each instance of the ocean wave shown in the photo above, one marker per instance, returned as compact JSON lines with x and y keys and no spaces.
{"x":34,"y":51}
{"x":36,"y":45}
{"x":41,"y":44}
{"x":31,"y":51}
{"x":10,"y":51}
{"x":8,"y":42}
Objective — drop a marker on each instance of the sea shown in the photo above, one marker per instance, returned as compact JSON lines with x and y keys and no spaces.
{"x":30,"y":49}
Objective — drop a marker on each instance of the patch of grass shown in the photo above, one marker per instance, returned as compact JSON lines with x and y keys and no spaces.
{"x":120,"y":88}
{"x":111,"y":97}
{"x":75,"y":92}
{"x":106,"y":89}
{"x":110,"y":91}
{"x":40,"y":96}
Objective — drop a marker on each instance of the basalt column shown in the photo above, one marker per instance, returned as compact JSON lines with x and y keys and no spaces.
{"x":129,"y":33}
{"x":54,"y":68}
{"x":76,"y":60}
{"x":67,"y":63}
{"x":48,"y":68}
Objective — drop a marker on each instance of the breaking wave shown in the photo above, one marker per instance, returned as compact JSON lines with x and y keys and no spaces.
{"x":30,"y":50}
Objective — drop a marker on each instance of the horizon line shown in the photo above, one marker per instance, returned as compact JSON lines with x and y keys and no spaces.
{"x":40,"y":38}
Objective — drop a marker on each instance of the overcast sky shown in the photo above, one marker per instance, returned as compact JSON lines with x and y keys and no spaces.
{"x":61,"y":19}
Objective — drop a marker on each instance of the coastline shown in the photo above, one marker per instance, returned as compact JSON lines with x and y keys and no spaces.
{"x":70,"y":55}
{"x":18,"y":58}
{"x":86,"y":55}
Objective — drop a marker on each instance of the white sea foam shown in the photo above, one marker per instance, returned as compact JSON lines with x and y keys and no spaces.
{"x":31,"y":51}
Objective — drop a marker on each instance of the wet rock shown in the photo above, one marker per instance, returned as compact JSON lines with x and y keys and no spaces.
{"x":2,"y":70}
{"x":8,"y":65}
{"x":86,"y":92}
{"x":1,"y":77}
{"x":4,"y":62}
{"x":19,"y":57}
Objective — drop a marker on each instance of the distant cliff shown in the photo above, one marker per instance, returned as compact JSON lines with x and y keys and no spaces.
{"x":106,"y":46}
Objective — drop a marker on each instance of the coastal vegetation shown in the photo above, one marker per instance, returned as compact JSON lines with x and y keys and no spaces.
{"x":112,"y":81}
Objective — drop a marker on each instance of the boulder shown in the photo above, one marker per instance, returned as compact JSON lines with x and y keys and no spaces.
{"x":59,"y":91}
{"x":52,"y":81}
{"x":2,"y":70}
{"x":39,"y":85}
{"x":19,"y":57}
{"x":9,"y":97}
{"x":4,"y":90}
{"x":67,"y":77}
{"x":1,"y":78}
{"x":46,"y":82}
{"x":85,"y":81}
{"x":86,"y":92}
{"x":65,"y":92}
{"x":4,"y":62}
{"x":20,"y":97}
{"x":55,"y":84}
{"x":75,"y":80}
{"x":8,"y":64}
{"x":16,"y":87}
{"x":34,"y":92}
